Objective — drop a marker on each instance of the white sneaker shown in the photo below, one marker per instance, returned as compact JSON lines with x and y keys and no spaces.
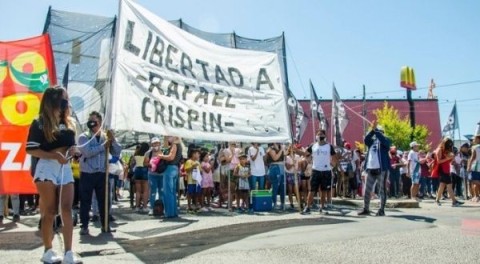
{"x":150,"y":212}
{"x":51,"y":256}
{"x":145,"y":210}
{"x":71,"y":258}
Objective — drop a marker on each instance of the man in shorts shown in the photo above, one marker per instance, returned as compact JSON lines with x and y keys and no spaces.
{"x":413,"y":169}
{"x":324,"y":158}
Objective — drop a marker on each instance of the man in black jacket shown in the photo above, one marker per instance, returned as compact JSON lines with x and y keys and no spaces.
{"x":377,"y":165}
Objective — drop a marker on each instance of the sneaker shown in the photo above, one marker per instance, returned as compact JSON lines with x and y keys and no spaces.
{"x":210,"y":209}
{"x":145,"y":210}
{"x":84,"y":231}
{"x":438,"y":203}
{"x":71,"y":258}
{"x":138,"y":210}
{"x":306,"y":211}
{"x":1,"y":219}
{"x":460,"y":203}
{"x":456,"y":204}
{"x":111,"y":218}
{"x":150,"y":212}
{"x":364,"y":212}
{"x":51,"y":256}
{"x":291,"y":206}
{"x":16,"y":218}
{"x":204,"y":209}
{"x":380,"y":212}
{"x":108,"y":230}
{"x":95,"y":218}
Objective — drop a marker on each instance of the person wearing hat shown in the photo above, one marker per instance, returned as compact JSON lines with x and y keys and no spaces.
{"x":473,"y":167}
{"x":413,"y":169}
{"x":377,"y":165}
{"x":155,"y":179}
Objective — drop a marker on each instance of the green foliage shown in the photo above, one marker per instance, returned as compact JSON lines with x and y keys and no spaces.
{"x":398,"y":129}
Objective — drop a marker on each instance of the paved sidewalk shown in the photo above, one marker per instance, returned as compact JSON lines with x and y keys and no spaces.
{"x":141,"y":238}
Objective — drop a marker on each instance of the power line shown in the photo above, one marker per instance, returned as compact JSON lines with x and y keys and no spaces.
{"x":424,"y":88}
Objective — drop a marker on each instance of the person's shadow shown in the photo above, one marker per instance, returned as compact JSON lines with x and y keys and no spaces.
{"x":416,"y":218}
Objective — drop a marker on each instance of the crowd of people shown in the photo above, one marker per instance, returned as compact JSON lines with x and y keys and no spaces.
{"x":71,"y":174}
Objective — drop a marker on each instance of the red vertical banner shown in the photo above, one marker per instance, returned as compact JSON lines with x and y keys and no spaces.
{"x":26,"y":70}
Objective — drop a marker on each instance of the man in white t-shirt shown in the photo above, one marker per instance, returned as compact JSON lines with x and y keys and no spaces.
{"x":413,"y":169}
{"x":257,"y":166}
{"x":324,"y":158}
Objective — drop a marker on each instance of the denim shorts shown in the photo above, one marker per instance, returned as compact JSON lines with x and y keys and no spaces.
{"x":52,"y":170}
{"x":193,"y":189}
{"x":416,"y":178}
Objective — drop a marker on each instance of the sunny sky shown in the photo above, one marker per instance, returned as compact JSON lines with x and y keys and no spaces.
{"x":350,"y":42}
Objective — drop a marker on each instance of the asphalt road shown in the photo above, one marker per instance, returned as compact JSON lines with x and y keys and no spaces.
{"x":429,"y":234}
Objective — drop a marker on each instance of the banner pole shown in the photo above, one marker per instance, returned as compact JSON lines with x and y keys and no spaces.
{"x":229,"y":193}
{"x":106,"y":213}
{"x":284,"y":178}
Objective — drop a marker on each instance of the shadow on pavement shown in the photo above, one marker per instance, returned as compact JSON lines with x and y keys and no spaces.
{"x":416,"y":218}
{"x":20,"y":240}
{"x":177,"y":246}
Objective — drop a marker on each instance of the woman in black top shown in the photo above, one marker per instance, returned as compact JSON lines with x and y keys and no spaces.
{"x":51,"y":139}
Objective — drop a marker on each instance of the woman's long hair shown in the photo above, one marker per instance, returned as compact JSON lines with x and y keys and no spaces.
{"x":446,"y":146}
{"x":50,"y":104}
{"x":144,"y":147}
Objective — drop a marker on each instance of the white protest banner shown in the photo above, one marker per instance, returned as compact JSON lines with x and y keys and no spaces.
{"x":167,"y":81}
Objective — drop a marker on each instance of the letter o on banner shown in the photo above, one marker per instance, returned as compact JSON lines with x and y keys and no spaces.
{"x":20,"y":109}
{"x":30,"y":70}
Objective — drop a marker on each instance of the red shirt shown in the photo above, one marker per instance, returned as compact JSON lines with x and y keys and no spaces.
{"x":445,"y":167}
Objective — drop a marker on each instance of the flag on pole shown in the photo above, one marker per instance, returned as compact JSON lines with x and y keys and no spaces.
{"x":452,"y":122}
{"x":340,"y":118}
{"x":65,"y":76}
{"x":315,"y":106}
{"x":296,"y":109}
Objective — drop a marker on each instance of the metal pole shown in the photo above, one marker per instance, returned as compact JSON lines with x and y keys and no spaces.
{"x":229,"y":195}
{"x":284,"y":178}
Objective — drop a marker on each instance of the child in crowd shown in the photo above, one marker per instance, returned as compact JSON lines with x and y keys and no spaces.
{"x":242,"y":172}
{"x":207,"y":180}
{"x":192,"y":168}
{"x":181,"y":181}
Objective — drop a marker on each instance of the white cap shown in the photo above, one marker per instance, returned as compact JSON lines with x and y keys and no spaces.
{"x":155,"y":140}
{"x":413,"y":144}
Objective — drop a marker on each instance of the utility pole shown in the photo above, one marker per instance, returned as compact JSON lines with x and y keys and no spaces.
{"x":364,"y":111}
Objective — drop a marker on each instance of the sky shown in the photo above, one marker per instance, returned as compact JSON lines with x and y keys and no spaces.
{"x":350,"y":43}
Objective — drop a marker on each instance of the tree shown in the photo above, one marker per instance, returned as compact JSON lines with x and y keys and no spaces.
{"x":398,"y":129}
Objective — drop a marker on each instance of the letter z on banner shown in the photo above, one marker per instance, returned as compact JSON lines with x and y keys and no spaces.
{"x":167,"y":81}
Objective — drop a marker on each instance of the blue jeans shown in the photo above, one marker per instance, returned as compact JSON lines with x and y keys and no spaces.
{"x":170,"y":178}
{"x":394,"y":182}
{"x":155,"y":182}
{"x":423,"y":185}
{"x":253,"y":182}
{"x":276,"y":175}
